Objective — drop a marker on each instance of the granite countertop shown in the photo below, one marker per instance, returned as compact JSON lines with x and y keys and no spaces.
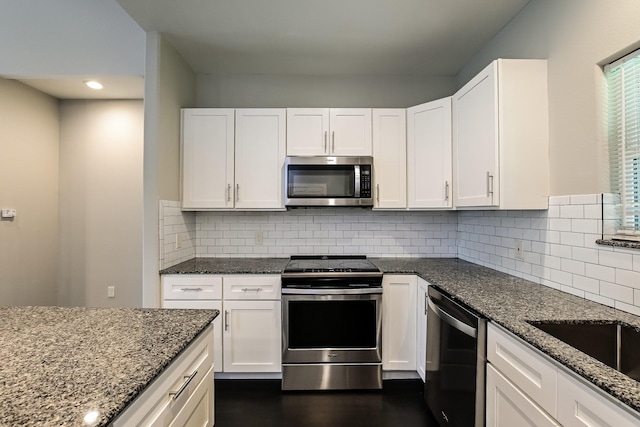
{"x":229,"y":266}
{"x":60,"y":363}
{"x":511,"y":302}
{"x":504,"y":299}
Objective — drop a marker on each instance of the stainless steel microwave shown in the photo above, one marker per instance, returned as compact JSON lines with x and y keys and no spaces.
{"x":328,"y":181}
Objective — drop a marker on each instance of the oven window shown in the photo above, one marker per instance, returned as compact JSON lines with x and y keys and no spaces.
{"x":320,"y":181}
{"x":332,"y":324}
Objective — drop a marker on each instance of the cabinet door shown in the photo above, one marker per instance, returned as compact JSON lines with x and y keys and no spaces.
{"x":390,"y":158}
{"x":307,"y":131}
{"x":207,"y":158}
{"x":507,"y":406}
{"x":399,"y":322}
{"x":259,"y":161}
{"x":217,"y":324}
{"x":579,"y":405}
{"x":252,"y":336}
{"x":350,"y":132}
{"x":421,"y":329}
{"x":475,"y":140}
{"x":429,"y":155}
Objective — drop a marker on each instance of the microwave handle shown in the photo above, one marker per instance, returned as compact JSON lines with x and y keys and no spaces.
{"x":356,"y":169}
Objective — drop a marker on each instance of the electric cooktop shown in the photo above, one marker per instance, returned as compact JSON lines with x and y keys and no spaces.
{"x":330,"y":264}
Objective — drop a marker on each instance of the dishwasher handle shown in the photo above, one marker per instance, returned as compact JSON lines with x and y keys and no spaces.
{"x":452,"y":321}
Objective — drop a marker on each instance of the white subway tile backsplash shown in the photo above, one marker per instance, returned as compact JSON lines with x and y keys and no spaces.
{"x":616,"y":292}
{"x":615,"y":259}
{"x":628,"y":278}
{"x":558,"y":244}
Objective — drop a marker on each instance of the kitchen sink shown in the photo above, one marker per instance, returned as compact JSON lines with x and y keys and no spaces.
{"x":613,"y":343}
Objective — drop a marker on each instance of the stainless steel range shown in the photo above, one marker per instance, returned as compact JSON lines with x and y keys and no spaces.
{"x":331,"y":323}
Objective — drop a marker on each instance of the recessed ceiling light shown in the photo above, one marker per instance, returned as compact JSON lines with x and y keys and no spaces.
{"x":94,"y":84}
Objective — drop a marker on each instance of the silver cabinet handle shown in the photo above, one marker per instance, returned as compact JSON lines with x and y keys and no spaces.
{"x":190,"y":289}
{"x":489,"y":184}
{"x":446,"y":191}
{"x":228,"y":192}
{"x":184,"y":385}
{"x":237,"y":192}
{"x":226,"y":320}
{"x":251,"y":289}
{"x":325,"y":141}
{"x":378,"y":193}
{"x":333,"y":141}
{"x":452,"y":321}
{"x":426,"y":302}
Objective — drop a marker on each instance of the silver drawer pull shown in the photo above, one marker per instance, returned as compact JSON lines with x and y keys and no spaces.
{"x":190,"y":289}
{"x":188,"y":379}
{"x":251,"y":289}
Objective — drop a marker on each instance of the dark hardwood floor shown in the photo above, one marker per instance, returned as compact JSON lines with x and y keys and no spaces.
{"x":261,"y":403}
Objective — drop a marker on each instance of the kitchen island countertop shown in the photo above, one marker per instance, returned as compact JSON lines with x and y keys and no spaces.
{"x":59,"y":363}
{"x":504,"y":299}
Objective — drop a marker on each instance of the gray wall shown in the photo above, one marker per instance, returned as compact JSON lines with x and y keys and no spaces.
{"x":280,"y":91}
{"x":29,"y":184}
{"x":577,"y":36}
{"x":101,"y":144}
{"x":169,"y":86}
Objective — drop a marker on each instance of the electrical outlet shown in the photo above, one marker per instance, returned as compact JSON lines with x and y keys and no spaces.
{"x":111,"y":291}
{"x":518,"y":252}
{"x":258,"y":238}
{"x":178,"y":243}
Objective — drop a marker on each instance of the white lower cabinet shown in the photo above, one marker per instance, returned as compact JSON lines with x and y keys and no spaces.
{"x":507,"y":406}
{"x":247,"y":333}
{"x":252,"y":336}
{"x":197,"y":291}
{"x":421,"y":329}
{"x":527,"y":388}
{"x":399,"y":322}
{"x":183,"y":394}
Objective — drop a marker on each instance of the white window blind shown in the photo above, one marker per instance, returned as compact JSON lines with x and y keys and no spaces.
{"x":623,"y":121}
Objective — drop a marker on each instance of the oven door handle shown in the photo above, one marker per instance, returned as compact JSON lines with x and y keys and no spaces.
{"x":310,"y":291}
{"x":452,"y":321}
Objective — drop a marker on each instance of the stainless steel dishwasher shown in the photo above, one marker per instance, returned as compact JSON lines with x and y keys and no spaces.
{"x":456,"y":357}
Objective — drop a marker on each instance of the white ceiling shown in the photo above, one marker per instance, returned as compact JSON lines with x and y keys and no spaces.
{"x":375,"y":37}
{"x":72,"y":87}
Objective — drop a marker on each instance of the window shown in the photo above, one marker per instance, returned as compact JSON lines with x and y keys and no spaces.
{"x":623,"y":121}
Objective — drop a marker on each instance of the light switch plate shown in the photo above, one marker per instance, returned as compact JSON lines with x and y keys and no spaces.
{"x":8,"y":213}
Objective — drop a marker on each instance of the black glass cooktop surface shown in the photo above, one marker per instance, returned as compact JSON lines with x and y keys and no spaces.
{"x":330,"y":263}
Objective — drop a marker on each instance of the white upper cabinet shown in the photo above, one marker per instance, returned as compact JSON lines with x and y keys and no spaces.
{"x":501,"y":137}
{"x":259,"y":160}
{"x":390,"y":158}
{"x":307,"y":131}
{"x":227,"y":167}
{"x":329,"y":132}
{"x":207,"y":158}
{"x":429,"y":155}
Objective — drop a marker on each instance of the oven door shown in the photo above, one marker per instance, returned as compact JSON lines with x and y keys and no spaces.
{"x":332,"y":328}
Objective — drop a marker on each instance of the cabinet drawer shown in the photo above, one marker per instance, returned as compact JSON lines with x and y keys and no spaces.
{"x":580,"y":405}
{"x":251,"y":287}
{"x":158,"y":404}
{"x":199,"y":409}
{"x":524,"y":367}
{"x":191,"y":287}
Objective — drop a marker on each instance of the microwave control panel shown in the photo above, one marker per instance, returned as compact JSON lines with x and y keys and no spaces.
{"x":365,"y":182}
